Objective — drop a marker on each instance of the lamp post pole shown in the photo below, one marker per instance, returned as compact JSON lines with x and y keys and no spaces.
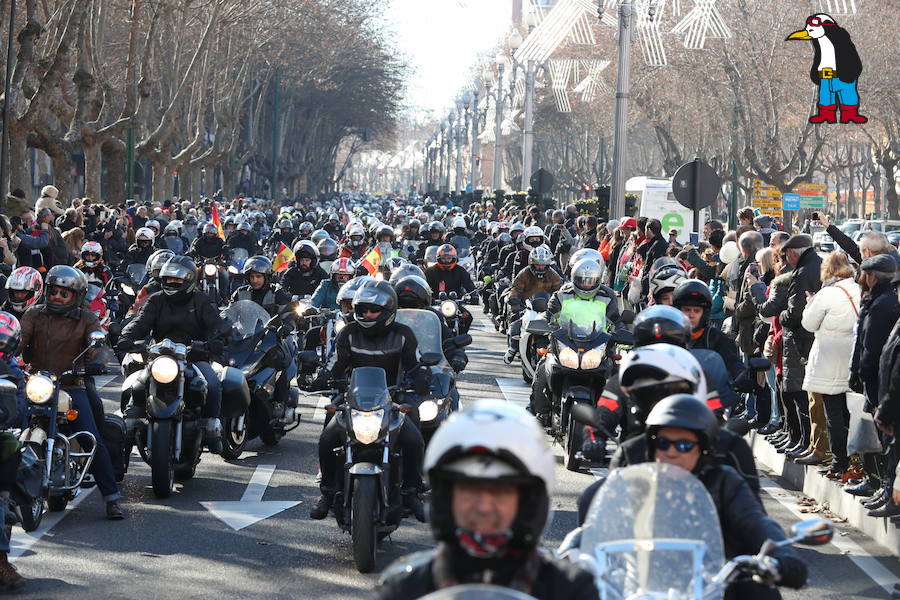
{"x":441,"y":166}
{"x":623,"y":87}
{"x":476,"y":146}
{"x":460,"y":121}
{"x":497,"y":180}
{"x":451,"y":120}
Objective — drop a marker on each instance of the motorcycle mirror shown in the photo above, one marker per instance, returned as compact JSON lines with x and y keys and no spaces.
{"x":623,"y":337}
{"x":430,"y":359}
{"x":759,"y":364}
{"x":627,"y":317}
{"x":96,"y":338}
{"x":815,"y":532}
{"x":442,"y":296}
{"x":584,"y":414}
{"x":453,"y":295}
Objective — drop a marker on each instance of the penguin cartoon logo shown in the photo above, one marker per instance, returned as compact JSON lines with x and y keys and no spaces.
{"x":835,"y":69}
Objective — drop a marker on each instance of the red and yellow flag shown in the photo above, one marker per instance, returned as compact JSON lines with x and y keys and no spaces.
{"x":283,"y":258}
{"x":372,"y":260}
{"x":216,"y":221}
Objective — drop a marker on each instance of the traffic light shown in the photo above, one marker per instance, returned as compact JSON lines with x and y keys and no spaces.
{"x":603,"y":197}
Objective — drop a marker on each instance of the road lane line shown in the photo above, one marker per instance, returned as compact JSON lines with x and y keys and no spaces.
{"x":258,"y":483}
{"x":514,"y":390}
{"x":319,"y":413}
{"x":867,"y":563}
{"x":22,"y":541}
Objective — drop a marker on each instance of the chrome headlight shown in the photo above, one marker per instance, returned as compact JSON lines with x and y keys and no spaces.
{"x":302,"y":307}
{"x":39,"y":389}
{"x":209,"y":270}
{"x":128,"y":289}
{"x":339,"y":325}
{"x":366,"y":424}
{"x":428,"y":410}
{"x":568,"y":357}
{"x":164,"y":369}
{"x":593,"y":358}
{"x":448,"y":308}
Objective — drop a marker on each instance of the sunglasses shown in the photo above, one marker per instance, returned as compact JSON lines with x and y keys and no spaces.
{"x":816,"y":22}
{"x":58,"y":291}
{"x":683,"y":446}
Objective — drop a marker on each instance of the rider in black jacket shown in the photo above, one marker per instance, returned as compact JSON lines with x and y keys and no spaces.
{"x":304,"y":275}
{"x":257,"y":272}
{"x":184,"y":315}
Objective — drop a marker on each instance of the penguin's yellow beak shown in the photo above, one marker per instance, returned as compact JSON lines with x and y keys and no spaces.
{"x":799,"y":35}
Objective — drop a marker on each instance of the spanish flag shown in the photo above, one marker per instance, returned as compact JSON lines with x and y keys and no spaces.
{"x":372,"y":260}
{"x":216,"y":221}
{"x":283,"y":258}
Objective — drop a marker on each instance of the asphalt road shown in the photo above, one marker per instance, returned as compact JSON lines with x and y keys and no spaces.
{"x":176,"y":548}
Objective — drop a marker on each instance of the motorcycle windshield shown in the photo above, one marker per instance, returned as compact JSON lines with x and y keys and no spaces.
{"x":174,"y":243}
{"x":431,"y":256}
{"x":477,"y":591}
{"x":368,"y":388}
{"x":246,"y":317}
{"x":427,"y":327}
{"x":239,"y":256}
{"x":582,"y":320}
{"x":653,"y":531}
{"x":463,"y":246}
{"x":136,"y":273}
{"x":92,"y":292}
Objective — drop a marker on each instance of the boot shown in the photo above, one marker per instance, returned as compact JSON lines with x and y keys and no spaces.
{"x":827,"y":114}
{"x":212,"y":434}
{"x":888,"y":510}
{"x":114,"y":511}
{"x":849,"y":114}
{"x":414,"y":504}
{"x":321,"y":508}
{"x":9,"y":577}
{"x":509,"y":356}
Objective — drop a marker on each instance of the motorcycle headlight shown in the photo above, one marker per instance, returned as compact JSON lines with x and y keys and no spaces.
{"x":366,"y":425}
{"x":164,"y":369}
{"x":128,"y":289}
{"x":39,"y":389}
{"x":339,"y":325}
{"x":568,"y":357}
{"x":593,"y":358}
{"x":302,"y":307}
{"x":428,"y":410}
{"x":210,"y":270}
{"x":232,"y":269}
{"x":448,"y":308}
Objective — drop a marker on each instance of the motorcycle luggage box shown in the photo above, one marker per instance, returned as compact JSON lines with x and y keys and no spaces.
{"x":114,"y":437}
{"x":235,"y":392}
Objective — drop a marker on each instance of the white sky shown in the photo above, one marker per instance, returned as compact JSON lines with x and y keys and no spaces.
{"x":443,"y":38}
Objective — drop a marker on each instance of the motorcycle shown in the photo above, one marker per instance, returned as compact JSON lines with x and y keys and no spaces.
{"x":444,"y":396}
{"x":263,"y":348}
{"x":26,"y":502}
{"x":652,"y":532}
{"x":170,"y":437}
{"x":453,"y":309}
{"x":96,"y":300}
{"x":48,"y":434}
{"x":579,"y":360}
{"x":369,"y":504}
{"x":533,"y":342}
{"x":129,"y":285}
{"x":214,"y":281}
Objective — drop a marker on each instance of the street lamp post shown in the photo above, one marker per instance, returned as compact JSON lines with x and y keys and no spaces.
{"x":515,"y":41}
{"x":441,"y":166}
{"x":472,"y":97}
{"x":460,"y":121}
{"x":623,"y":87}
{"x":497,"y":181}
{"x":451,"y":121}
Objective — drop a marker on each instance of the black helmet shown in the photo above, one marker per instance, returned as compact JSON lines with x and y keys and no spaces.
{"x":66,"y":277}
{"x":157,"y":260}
{"x":413,"y":292}
{"x":685,"y":412}
{"x":328,"y":249}
{"x":179,"y":267}
{"x":257,"y":264}
{"x":415,"y":223}
{"x":306,"y":228}
{"x":436,"y":227}
{"x":382,"y":231}
{"x":306,"y":249}
{"x":660,"y":324}
{"x":405,"y":271}
{"x":693,"y":292}
{"x":504,"y":239}
{"x":378,"y":295}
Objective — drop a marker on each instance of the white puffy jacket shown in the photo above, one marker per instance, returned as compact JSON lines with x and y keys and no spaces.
{"x":830,"y":315}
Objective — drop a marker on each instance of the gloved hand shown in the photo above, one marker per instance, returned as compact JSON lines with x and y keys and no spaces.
{"x":593,"y":445}
{"x":422,"y":380}
{"x":792,"y":571}
{"x":458,"y":364}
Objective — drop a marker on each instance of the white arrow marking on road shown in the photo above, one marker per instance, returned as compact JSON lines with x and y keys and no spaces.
{"x":250,"y":508}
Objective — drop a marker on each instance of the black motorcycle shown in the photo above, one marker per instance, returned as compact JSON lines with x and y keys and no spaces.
{"x":170,"y":439}
{"x":264,"y":349}
{"x":368,"y":504}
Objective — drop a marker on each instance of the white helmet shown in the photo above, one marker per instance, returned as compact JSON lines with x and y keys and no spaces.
{"x":496,"y":441}
{"x":144,"y":233}
{"x":666,"y":279}
{"x":650,"y":373}
{"x":458,"y":222}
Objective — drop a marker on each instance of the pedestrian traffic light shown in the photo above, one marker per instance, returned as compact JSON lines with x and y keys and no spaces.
{"x":603,"y":198}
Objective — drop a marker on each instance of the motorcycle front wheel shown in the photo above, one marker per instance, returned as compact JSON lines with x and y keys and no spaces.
{"x":233,"y":440}
{"x":32,"y":514}
{"x":364,"y":507}
{"x":573,"y":445}
{"x":162,"y":467}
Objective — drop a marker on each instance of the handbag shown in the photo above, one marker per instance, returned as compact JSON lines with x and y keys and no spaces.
{"x":850,"y":298}
{"x":863,"y":437}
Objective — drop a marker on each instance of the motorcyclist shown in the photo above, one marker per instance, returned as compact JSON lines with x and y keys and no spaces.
{"x":304,"y":275}
{"x":384,"y":234}
{"x":682,"y":431}
{"x":10,"y":372}
{"x":328,"y":252}
{"x":447,"y":276}
{"x":663,"y":281}
{"x":584,"y":297}
{"x":412,"y":230}
{"x":414,"y":292}
{"x":332,"y":225}
{"x":24,"y":289}
{"x":172,"y":239}
{"x":54,"y":333}
{"x":326,"y":294}
{"x":209,"y":245}
{"x":355,"y":246}
{"x":257,"y":272}
{"x":375,"y":339}
{"x":92,"y":265}
{"x":154,"y":283}
{"x":304,"y":232}
{"x":516,"y":232}
{"x":537,"y":277}
{"x":435,"y":238}
{"x":243,"y":237}
{"x":183,"y":314}
{"x":282,"y":234}
{"x":492,"y":480}
{"x":141,"y":249}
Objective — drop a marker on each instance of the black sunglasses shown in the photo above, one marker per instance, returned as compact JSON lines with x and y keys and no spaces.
{"x":683,"y":446}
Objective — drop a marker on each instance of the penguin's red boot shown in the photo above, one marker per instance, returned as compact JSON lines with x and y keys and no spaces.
{"x":849,"y":114}
{"x":827,"y":114}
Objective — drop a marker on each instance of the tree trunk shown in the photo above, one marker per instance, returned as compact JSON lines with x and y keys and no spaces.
{"x":18,"y":160}
{"x":114,"y":159}
{"x":62,"y":175}
{"x":93,"y":169}
{"x":161,"y":179}
{"x":890,"y":190}
{"x":227,"y":180}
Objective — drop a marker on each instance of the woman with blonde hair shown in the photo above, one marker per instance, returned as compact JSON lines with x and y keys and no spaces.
{"x":74,"y":239}
{"x":831,"y":314}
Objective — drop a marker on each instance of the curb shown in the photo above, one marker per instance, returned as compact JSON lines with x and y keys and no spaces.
{"x":825,"y":491}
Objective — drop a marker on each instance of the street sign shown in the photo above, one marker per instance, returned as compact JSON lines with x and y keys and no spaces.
{"x":812,"y":195}
{"x":541,"y":181}
{"x":766,"y":198}
{"x":696,"y":185}
{"x":790,"y":202}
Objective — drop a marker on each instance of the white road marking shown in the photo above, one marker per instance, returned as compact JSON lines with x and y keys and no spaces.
{"x":250,"y":508}
{"x":22,"y":541}
{"x":319,"y":413}
{"x":104,"y":380}
{"x":515,"y":390}
{"x":862,"y":559}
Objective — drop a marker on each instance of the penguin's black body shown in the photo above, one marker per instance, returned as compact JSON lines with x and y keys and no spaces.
{"x":849,"y":66}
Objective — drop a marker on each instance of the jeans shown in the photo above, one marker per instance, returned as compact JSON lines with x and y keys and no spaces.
{"x":515,"y":330}
{"x":101,"y":467}
{"x":772,"y":380}
{"x":539,"y":401}
{"x":834,"y":91}
{"x":838,"y":418}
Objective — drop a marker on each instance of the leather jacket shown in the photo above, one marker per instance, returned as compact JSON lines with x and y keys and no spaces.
{"x":50,"y":342}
